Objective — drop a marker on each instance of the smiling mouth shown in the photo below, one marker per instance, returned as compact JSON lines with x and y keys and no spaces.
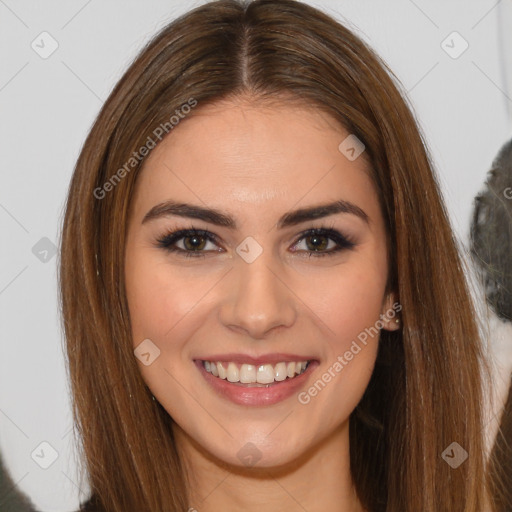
{"x":248,"y":375}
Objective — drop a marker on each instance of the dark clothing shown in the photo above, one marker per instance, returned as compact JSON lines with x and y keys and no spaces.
{"x":91,"y":505}
{"x":13,"y":500}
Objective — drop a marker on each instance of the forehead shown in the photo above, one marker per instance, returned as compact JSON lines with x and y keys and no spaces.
{"x":247,"y":153}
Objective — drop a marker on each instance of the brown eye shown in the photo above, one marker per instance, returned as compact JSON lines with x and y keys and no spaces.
{"x":194,"y":242}
{"x":317,"y":242}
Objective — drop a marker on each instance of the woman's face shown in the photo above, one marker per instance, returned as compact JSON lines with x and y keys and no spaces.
{"x":261,"y":295}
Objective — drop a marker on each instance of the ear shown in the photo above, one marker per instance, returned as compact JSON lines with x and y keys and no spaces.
{"x":390,"y":314}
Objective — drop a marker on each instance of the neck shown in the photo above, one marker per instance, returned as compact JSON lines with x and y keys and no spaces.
{"x":317,"y":480}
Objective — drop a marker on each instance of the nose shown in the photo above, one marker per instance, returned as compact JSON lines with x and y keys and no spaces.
{"x":259,"y":300}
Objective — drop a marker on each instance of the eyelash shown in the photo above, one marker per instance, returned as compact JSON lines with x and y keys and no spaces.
{"x":167,"y":241}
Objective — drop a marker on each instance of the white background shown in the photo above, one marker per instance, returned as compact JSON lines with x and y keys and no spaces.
{"x":48,"y":105}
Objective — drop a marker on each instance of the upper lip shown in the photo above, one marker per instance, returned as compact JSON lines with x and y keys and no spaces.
{"x":273,"y":358}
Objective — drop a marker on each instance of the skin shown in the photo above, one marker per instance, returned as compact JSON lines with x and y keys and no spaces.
{"x":257,"y":162}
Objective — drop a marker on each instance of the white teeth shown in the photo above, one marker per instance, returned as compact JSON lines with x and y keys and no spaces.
{"x":250,"y":374}
{"x":280,"y":371}
{"x":247,"y":373}
{"x":233,"y":373}
{"x":265,"y":374}
{"x":222,"y":373}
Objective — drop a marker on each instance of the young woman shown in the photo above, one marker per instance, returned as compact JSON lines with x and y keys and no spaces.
{"x":263,"y":302}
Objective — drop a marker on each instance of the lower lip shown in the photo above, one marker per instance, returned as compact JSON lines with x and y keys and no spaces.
{"x":257,"y":396}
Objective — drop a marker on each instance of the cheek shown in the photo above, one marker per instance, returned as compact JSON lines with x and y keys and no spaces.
{"x":356,"y":306}
{"x":161,"y":303}
{"x":348,"y":300}
{"x":349,"y":304}
{"x":159,"y":298}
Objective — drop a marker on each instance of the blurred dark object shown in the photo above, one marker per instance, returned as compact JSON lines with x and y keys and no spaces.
{"x":501,"y":460}
{"x":491,"y":234}
{"x":11,"y":499}
{"x":491,"y":249}
{"x":91,"y":505}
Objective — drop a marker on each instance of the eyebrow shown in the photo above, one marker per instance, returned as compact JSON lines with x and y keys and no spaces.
{"x":213,"y":216}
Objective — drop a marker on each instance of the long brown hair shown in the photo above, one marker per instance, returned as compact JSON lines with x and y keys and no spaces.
{"x":425,"y":393}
